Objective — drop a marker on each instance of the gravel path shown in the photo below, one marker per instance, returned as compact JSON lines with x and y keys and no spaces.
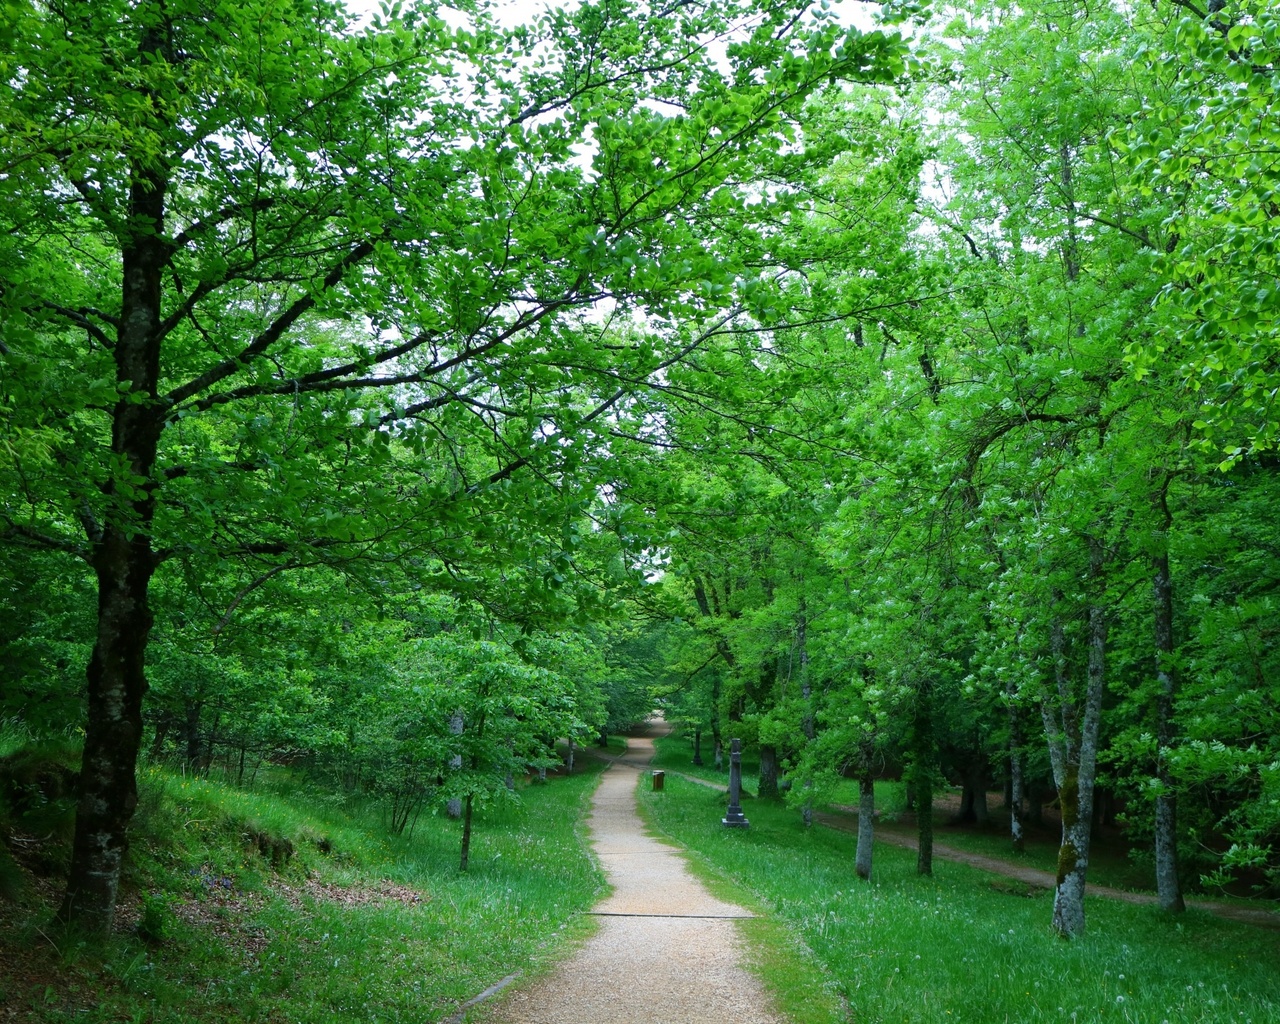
{"x":667,"y":951}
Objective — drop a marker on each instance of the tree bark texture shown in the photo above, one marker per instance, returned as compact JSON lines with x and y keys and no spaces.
{"x":866,"y":823}
{"x":768,"y":785}
{"x":1017,"y":835}
{"x":456,"y":724}
{"x":1073,"y":744}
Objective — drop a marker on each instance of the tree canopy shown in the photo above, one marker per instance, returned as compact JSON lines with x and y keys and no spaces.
{"x":408,"y":393}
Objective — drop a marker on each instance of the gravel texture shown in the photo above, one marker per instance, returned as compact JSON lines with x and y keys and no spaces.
{"x":667,"y":952}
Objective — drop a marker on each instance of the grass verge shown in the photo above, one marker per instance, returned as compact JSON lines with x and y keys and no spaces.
{"x":952,"y":948}
{"x":352,"y":924}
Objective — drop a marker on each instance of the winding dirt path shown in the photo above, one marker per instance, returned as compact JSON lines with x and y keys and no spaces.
{"x":667,"y":951}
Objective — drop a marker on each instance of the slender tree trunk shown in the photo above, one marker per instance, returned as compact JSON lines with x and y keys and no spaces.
{"x":1076,"y":786}
{"x":807,"y":726}
{"x":922,"y":768}
{"x":191,"y":735}
{"x":866,"y":821}
{"x":206,"y":763}
{"x":466,"y":836}
{"x":569,"y":763}
{"x":697,"y":746}
{"x":161,"y":734}
{"x":456,"y":724}
{"x":123,"y":558}
{"x":1168,"y":887}
{"x":768,"y":784}
{"x":1016,"y":832}
{"x":973,"y":802}
{"x":717,"y":740}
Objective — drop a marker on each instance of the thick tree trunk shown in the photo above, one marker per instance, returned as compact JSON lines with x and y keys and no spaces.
{"x":1168,"y":887}
{"x":123,"y":561}
{"x":924,"y":822}
{"x":866,"y":823}
{"x":768,"y":785}
{"x":117,"y":683}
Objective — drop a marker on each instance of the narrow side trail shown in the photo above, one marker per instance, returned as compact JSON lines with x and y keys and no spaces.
{"x":667,"y":951}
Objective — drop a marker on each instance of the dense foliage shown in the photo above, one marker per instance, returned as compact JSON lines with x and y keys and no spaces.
{"x":393,"y":398}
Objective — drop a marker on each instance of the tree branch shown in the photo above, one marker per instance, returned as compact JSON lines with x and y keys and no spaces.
{"x":272,"y":334}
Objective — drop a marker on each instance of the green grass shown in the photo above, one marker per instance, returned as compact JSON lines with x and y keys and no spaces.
{"x":674,"y":753}
{"x":244,"y":942}
{"x":951,"y":948}
{"x":1108,"y":865}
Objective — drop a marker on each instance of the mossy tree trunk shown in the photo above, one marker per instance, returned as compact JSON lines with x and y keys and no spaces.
{"x":1071,"y":726}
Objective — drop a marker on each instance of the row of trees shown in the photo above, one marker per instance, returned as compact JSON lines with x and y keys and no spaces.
{"x":916,"y":398}
{"x":1014,"y":502}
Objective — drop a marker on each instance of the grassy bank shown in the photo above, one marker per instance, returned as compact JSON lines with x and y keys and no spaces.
{"x":253,"y":906}
{"x":957,"y":947}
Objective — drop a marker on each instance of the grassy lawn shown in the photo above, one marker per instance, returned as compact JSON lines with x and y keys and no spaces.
{"x":357,"y":925}
{"x":953,"y":948}
{"x":1109,"y":863}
